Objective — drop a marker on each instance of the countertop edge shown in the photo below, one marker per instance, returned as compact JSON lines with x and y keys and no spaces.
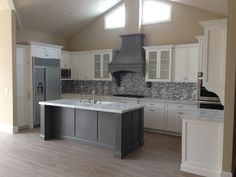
{"x":92,"y":108}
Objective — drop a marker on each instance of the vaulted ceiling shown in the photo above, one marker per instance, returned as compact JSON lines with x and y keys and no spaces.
{"x":65,"y":17}
{"x":60,"y":17}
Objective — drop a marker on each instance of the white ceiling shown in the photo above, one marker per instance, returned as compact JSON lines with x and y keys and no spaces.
{"x":218,"y":6}
{"x":60,"y":17}
{"x":66,"y":17}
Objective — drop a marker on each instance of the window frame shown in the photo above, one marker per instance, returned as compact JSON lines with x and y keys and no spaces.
{"x":160,"y":21}
{"x":109,"y":13}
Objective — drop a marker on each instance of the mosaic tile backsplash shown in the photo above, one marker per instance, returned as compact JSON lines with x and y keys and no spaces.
{"x":134,"y":84}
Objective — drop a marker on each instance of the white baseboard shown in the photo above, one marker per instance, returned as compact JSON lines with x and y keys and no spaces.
{"x":9,"y":129}
{"x":226,"y":174}
{"x":200,"y":171}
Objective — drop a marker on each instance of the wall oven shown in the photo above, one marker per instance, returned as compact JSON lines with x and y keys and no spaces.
{"x":205,"y":98}
{"x":65,"y":73}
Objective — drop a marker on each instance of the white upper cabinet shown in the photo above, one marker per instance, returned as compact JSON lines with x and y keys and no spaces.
{"x":154,"y":115}
{"x":66,"y":60}
{"x":101,"y":61}
{"x":214,"y":56}
{"x":83,"y":65}
{"x":186,"y":63}
{"x":46,"y":51}
{"x":158,"y":63}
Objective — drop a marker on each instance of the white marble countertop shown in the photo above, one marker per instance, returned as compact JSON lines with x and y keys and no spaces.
{"x":129,"y":98}
{"x":208,"y":115}
{"x":103,"y":106}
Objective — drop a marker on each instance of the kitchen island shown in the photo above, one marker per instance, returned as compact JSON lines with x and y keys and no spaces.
{"x":114,"y":126}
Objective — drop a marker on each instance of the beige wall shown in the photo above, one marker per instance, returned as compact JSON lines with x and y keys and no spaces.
{"x":28,"y":35}
{"x":7,"y":63}
{"x":4,"y":5}
{"x":183,"y":29}
{"x":230,"y":87}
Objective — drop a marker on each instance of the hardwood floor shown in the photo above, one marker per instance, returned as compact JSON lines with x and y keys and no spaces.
{"x":26,"y":155}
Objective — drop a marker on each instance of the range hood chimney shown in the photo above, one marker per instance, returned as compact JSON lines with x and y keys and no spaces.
{"x":131,"y":57}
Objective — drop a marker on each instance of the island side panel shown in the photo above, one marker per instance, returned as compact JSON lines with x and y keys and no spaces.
{"x":47,"y":123}
{"x":129,"y":132}
{"x":57,"y":122}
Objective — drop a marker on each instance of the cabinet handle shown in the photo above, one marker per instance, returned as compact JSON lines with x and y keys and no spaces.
{"x":152,"y":110}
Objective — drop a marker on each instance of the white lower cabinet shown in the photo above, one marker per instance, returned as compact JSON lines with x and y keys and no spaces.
{"x":173,"y":121}
{"x":165,"y":116}
{"x":154,"y":115}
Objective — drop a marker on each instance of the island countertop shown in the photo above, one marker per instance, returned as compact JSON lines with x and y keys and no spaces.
{"x":103,"y":106}
{"x":208,"y":115}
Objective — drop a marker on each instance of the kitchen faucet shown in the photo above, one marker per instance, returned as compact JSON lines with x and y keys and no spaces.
{"x":93,"y":93}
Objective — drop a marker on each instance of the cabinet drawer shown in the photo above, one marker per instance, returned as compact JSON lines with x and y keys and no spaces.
{"x":153,"y":104}
{"x":181,"y":107}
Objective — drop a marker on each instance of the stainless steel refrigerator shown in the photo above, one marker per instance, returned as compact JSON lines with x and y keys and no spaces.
{"x":46,"y":83}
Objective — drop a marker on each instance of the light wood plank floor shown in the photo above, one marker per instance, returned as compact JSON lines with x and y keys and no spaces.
{"x":26,"y":155}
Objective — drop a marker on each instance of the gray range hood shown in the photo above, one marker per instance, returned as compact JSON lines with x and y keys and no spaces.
{"x":131,"y":57}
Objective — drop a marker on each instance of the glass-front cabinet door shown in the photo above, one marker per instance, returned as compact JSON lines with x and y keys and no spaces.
{"x":101,"y":61}
{"x":158,"y":62}
{"x":97,"y":66}
{"x":165,"y":64}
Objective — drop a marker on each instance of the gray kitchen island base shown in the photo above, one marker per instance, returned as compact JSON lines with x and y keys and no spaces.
{"x":119,"y":132}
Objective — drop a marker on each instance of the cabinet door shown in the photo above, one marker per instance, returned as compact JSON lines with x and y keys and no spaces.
{"x":65,"y":60}
{"x":105,"y":72}
{"x":38,"y":51}
{"x":152,"y":58}
{"x":53,"y":53}
{"x":186,"y":64}
{"x":101,"y":62}
{"x":180,"y":59}
{"x":173,"y":121}
{"x":165,"y":65}
{"x":159,"y":119}
{"x":87,"y":67}
{"x":22,"y":57}
{"x":158,"y":65}
{"x":76,"y":68}
{"x":149,"y":114}
{"x":97,"y":66}
{"x":22,"y":87}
